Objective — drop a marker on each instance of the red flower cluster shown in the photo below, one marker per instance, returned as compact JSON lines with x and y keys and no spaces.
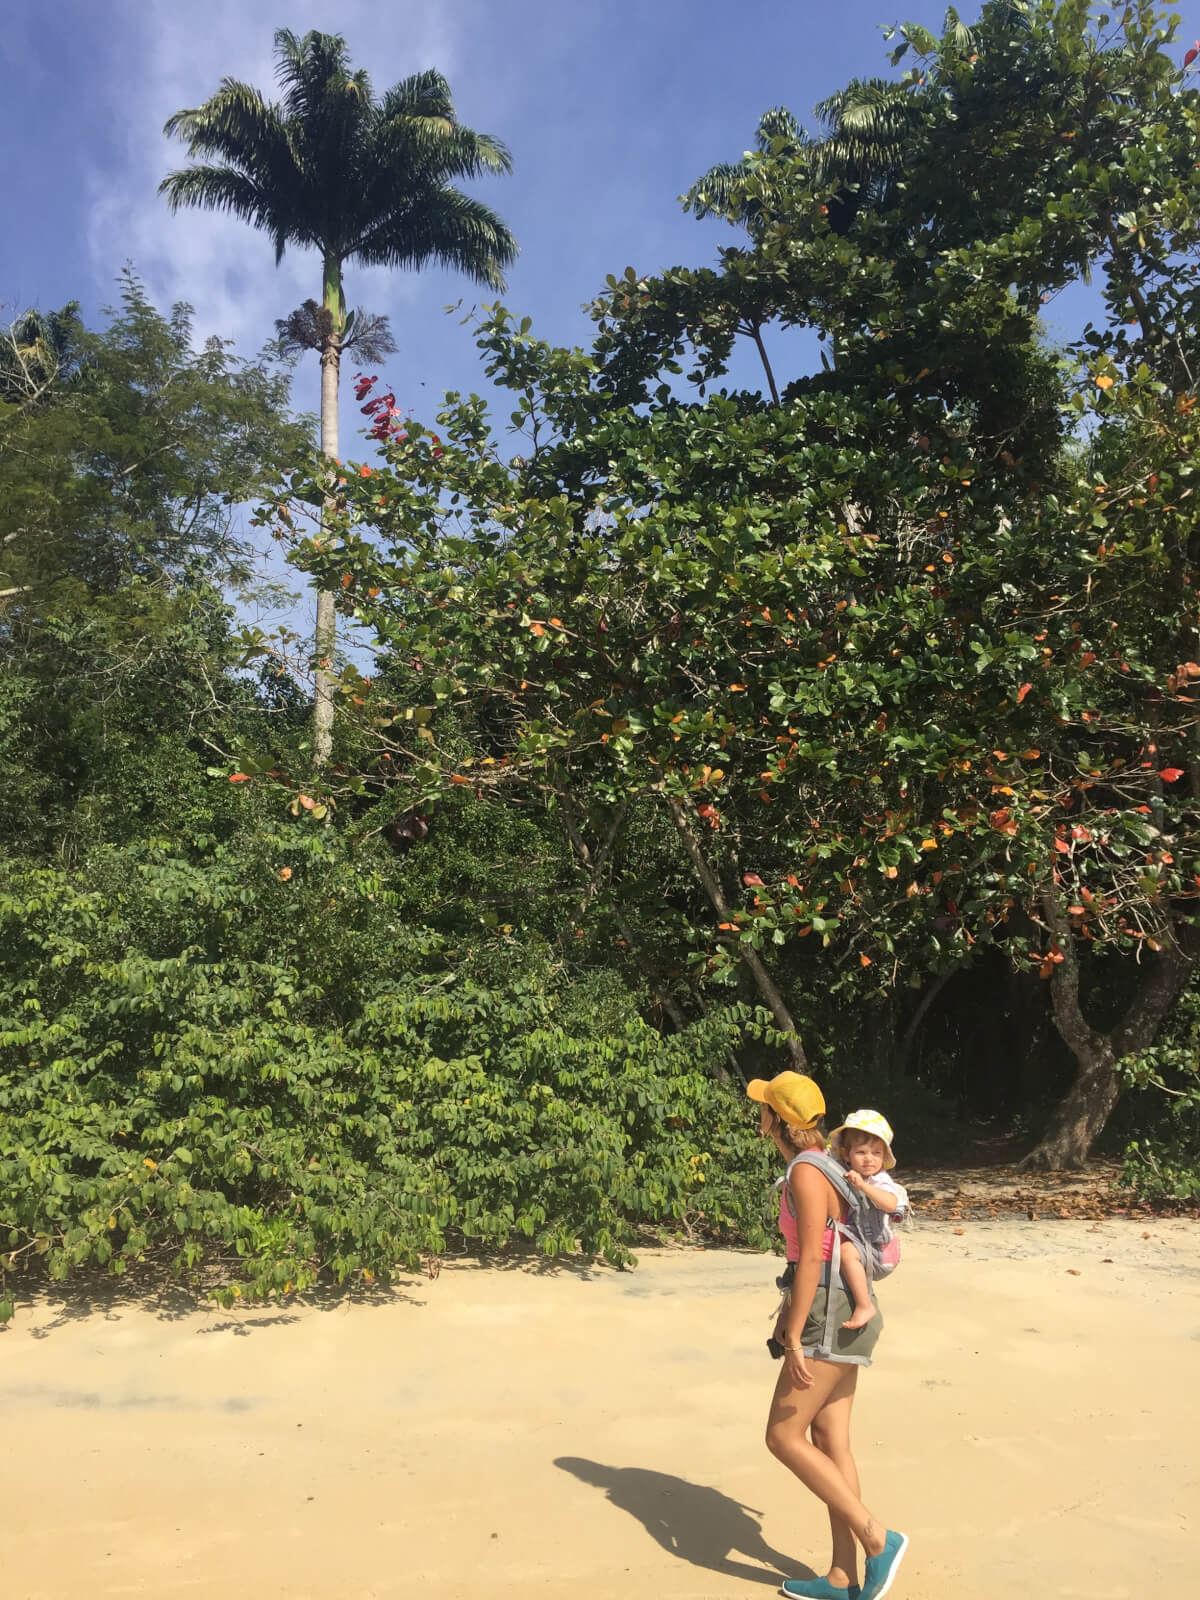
{"x":388,"y":424}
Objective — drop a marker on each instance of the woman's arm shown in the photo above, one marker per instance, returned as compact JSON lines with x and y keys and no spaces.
{"x":812,"y":1195}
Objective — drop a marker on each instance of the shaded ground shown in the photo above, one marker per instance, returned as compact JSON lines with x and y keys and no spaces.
{"x":999,"y":1190}
{"x":992,"y":1186}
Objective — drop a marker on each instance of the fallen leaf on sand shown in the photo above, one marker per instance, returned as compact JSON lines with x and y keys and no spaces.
{"x":1073,"y":1272}
{"x":960,"y":1230}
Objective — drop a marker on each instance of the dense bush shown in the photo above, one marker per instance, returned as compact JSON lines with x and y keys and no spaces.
{"x":186,"y":1081}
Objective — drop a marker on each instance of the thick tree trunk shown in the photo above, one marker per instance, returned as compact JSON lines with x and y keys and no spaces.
{"x":747,"y":953}
{"x":325,"y":636}
{"x":1079,"y":1119}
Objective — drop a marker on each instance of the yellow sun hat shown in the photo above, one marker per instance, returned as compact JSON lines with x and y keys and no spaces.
{"x":866,"y":1122}
{"x":791,"y":1096}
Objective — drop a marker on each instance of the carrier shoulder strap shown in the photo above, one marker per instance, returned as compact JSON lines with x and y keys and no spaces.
{"x":856,"y":1203}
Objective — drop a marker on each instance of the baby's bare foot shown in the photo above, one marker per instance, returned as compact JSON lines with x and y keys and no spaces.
{"x":859,"y":1317}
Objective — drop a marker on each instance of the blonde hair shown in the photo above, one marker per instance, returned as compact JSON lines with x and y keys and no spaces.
{"x":800,"y":1138}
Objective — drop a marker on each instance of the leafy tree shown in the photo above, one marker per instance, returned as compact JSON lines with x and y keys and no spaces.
{"x":332,"y":168}
{"x":197,"y":1076}
{"x":897,"y":670}
{"x":118,"y":534}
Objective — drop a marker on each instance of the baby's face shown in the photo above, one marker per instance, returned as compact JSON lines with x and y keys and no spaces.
{"x":866,"y":1155}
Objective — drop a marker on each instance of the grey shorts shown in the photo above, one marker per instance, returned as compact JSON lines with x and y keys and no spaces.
{"x":852,"y":1346}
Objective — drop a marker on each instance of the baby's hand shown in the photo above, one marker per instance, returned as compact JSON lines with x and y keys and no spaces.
{"x":855,"y":1180}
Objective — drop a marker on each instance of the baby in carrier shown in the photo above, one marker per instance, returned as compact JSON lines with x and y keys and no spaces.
{"x":870,"y":1249}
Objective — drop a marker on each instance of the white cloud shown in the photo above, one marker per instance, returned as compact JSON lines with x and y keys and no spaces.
{"x":166,"y":56}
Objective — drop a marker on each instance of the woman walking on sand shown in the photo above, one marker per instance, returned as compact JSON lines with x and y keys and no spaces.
{"x":815,"y":1390}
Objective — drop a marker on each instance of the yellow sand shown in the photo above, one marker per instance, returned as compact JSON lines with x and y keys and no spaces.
{"x":503,"y":1433}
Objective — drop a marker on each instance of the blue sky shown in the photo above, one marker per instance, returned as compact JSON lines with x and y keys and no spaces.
{"x":610,"y":109}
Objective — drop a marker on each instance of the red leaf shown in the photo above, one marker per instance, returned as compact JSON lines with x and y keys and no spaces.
{"x":752,"y":880}
{"x":1171,"y":774}
{"x":239,"y":777}
{"x":1023,"y":691}
{"x":1191,"y":56}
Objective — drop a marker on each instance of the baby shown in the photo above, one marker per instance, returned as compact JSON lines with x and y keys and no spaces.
{"x":863,"y":1144}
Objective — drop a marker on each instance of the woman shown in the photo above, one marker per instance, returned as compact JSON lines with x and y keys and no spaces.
{"x":815,"y":1390}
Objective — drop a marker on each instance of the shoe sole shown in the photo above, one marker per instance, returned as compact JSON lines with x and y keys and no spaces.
{"x":895,"y":1568}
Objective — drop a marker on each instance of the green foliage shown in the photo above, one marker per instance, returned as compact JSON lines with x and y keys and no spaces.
{"x":1163,"y":1161}
{"x":186,"y":1082}
{"x":907,"y":679}
{"x":119,"y":539}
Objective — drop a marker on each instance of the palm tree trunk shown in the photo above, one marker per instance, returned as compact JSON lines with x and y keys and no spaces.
{"x":326,"y":630}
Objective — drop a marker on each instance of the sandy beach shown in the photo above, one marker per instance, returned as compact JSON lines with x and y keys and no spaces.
{"x":1031,"y":1422}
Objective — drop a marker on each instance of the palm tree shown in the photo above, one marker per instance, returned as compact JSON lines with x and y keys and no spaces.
{"x":858,"y":156}
{"x":334,"y":169}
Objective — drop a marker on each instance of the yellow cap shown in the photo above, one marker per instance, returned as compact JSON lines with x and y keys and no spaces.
{"x":791,"y":1096}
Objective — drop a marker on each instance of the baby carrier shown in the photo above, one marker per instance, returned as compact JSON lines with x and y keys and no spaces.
{"x":865,"y":1225}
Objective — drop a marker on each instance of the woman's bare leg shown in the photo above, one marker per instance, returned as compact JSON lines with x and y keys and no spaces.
{"x":792,"y":1414}
{"x":831,"y":1434}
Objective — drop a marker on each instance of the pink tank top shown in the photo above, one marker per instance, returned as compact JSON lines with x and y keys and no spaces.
{"x":791,"y":1234}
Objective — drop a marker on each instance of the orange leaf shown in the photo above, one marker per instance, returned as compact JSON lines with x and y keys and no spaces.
{"x":865,"y":960}
{"x":556,"y":622}
{"x":239,"y":777}
{"x":347,"y":580}
{"x":891,"y":872}
{"x":727,"y":927}
{"x":1023,"y":691}
{"x":307,"y":801}
{"x":1104,"y":381}
{"x":737,"y":688}
{"x":364,"y":472}
{"x":457,"y":777}
{"x":285,"y":873}
{"x":752,"y":880}
{"x":1171,"y":774}
{"x":536,"y":629}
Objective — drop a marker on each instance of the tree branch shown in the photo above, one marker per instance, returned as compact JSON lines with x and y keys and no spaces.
{"x":747,"y":953}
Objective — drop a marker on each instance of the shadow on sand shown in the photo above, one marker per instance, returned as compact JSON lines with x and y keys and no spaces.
{"x":699,"y":1525}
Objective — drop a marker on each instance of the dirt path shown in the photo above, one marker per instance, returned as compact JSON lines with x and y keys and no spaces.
{"x":1031,"y":1422}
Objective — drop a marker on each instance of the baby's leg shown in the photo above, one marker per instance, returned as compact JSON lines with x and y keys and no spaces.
{"x":854,"y":1275}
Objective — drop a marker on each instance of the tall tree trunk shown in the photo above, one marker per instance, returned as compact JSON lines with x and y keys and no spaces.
{"x":325,"y":636}
{"x":747,"y":953}
{"x":1079,"y":1119}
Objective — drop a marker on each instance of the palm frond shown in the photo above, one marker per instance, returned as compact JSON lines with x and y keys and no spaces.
{"x":331,"y":167}
{"x":213,"y":188}
{"x":724,"y":190}
{"x":421,"y":94}
{"x":445,"y":226}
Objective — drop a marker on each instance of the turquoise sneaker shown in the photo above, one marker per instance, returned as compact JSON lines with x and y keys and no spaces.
{"x":817,"y":1589}
{"x":881,"y":1570}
